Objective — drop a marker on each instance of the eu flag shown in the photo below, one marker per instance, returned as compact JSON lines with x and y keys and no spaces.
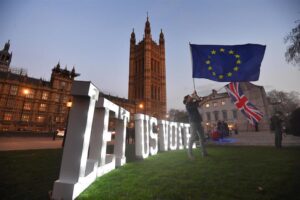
{"x":227,"y":63}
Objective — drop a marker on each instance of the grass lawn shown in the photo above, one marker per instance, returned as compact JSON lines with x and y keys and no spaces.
{"x":28,"y":175}
{"x":228,"y":173}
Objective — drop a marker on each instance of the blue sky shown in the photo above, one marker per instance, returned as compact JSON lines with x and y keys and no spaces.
{"x":94,"y":36}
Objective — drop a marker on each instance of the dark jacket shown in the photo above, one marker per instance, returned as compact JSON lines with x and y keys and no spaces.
{"x":192,"y":109}
{"x":276,"y":123}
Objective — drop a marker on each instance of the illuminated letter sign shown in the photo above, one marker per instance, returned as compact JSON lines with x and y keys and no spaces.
{"x":77,"y":172}
{"x":173,"y":136}
{"x":163,"y":135}
{"x":153,"y":137}
{"x":84,"y":155}
{"x":180,"y":136}
{"x":119,"y":148}
{"x":141,"y":135}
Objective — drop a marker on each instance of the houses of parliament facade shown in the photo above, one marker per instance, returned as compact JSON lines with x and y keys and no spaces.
{"x":32,"y":104}
{"x":35,"y":105}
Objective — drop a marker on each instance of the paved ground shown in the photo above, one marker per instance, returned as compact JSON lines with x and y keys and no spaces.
{"x":264,"y":138}
{"x":22,"y":143}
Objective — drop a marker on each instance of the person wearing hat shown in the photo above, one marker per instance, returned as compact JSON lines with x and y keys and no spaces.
{"x":192,"y":102}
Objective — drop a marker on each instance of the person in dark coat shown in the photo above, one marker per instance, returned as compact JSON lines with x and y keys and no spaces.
{"x":220,"y":129}
{"x":191,"y":103}
{"x":276,"y":126}
{"x":226,"y":128}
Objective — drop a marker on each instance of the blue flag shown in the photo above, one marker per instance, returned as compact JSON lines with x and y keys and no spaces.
{"x":227,"y":63}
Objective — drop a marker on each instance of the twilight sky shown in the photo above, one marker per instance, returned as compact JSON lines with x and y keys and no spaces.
{"x":94,"y":37}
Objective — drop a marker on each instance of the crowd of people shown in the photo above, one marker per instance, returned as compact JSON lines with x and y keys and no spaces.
{"x":221,"y":130}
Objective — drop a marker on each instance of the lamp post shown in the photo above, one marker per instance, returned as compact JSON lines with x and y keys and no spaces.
{"x":69,"y":105}
{"x":141,"y":106}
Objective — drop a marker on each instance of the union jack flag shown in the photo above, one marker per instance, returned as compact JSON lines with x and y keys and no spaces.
{"x":243,"y":104}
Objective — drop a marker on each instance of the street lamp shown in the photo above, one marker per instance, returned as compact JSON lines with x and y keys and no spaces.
{"x":25,"y":91}
{"x":167,"y":116}
{"x":69,"y":105}
{"x":141,"y":106}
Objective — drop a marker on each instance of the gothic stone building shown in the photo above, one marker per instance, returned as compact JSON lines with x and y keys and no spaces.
{"x":147,"y":77}
{"x":147,"y":74}
{"x":31,"y":104}
{"x":221,"y":108}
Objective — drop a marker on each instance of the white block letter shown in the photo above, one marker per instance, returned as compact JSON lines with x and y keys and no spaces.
{"x":141,"y":135}
{"x":77,"y":172}
{"x":173,"y":136}
{"x":163,"y":135}
{"x":153,"y":137}
{"x":180,"y":136}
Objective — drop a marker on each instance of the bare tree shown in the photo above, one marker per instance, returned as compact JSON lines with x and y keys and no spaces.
{"x":292,"y":53}
{"x":178,"y":115}
{"x":286,"y":102}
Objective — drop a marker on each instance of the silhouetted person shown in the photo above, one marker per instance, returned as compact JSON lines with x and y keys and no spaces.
{"x":195,"y":119}
{"x":276,"y":126}
{"x":220,"y":129}
{"x":226,"y":128}
{"x":256,"y":127}
{"x":236,"y":129}
{"x":54,"y":134}
{"x":127,"y":135}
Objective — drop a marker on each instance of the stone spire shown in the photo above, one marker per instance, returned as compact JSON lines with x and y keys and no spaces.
{"x":161,"y":37}
{"x":132,"y":38}
{"x":147,"y":27}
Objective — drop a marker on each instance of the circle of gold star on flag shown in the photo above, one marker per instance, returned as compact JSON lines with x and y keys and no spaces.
{"x":235,"y":68}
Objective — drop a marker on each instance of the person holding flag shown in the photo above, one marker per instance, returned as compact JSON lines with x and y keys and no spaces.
{"x":192,"y":102}
{"x":230,"y":63}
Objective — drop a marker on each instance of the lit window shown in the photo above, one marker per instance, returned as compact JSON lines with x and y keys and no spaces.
{"x":45,"y":95}
{"x":40,"y":119}
{"x":43,"y":107}
{"x":25,"y":118}
{"x":27,"y":106}
{"x":7,"y":116}
{"x":13,"y":90}
{"x":28,"y":93}
{"x":207,"y":105}
{"x":223,"y":103}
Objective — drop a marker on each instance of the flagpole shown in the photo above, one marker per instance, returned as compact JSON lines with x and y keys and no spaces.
{"x":192,"y":67}
{"x":194,"y":84}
